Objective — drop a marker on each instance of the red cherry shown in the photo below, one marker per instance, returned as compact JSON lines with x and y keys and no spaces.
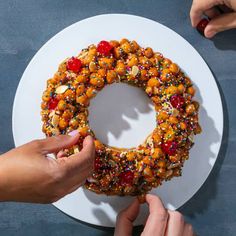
{"x":74,"y":64}
{"x":202,"y":25}
{"x":126,"y":178}
{"x":104,"y":48}
{"x":169,"y":147}
{"x":52,"y":103}
{"x":97,"y":164}
{"x":177,"y":101}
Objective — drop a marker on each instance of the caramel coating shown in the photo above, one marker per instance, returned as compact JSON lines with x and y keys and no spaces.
{"x":161,"y":156}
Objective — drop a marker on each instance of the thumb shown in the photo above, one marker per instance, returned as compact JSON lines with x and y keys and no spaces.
{"x":57,"y":143}
{"x":125,"y":219}
{"x":83,"y":160}
{"x":223,"y":22}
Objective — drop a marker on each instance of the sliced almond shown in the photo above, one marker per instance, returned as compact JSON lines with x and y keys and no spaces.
{"x":168,"y":173}
{"x":173,"y":165}
{"x":55,"y":120}
{"x":51,"y":114}
{"x":134,"y":70}
{"x":61,"y":89}
{"x":123,"y":154}
{"x":152,"y":150}
{"x":57,"y":112}
{"x":150,"y":142}
{"x":92,"y":180}
{"x":70,"y":74}
{"x":83,"y":54}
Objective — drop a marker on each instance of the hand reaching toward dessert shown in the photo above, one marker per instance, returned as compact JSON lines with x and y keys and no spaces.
{"x":27,"y":174}
{"x":160,"y":222}
{"x":220,"y":20}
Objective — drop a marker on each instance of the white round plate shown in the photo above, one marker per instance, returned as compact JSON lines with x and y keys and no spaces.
{"x":125,"y":125}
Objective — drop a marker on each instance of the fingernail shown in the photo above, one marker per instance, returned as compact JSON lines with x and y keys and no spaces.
{"x":88,"y":139}
{"x":210,"y":34}
{"x":73,"y":133}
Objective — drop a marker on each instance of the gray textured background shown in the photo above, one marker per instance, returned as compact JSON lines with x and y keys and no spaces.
{"x":25,"y":25}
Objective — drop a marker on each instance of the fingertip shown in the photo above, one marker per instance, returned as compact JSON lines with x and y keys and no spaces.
{"x":150,"y":197}
{"x":125,"y":219}
{"x":74,"y":133}
{"x":134,"y":205}
{"x":131,"y":211}
{"x":193,"y":21}
{"x":88,"y":150}
{"x":61,"y":154}
{"x":154,"y":202}
{"x":88,"y":141}
{"x":56,"y":143}
{"x":221,"y":23}
{"x":194,"y":25}
{"x":195,"y":17}
{"x":209,"y":32}
{"x":135,"y":202}
{"x":209,"y":35}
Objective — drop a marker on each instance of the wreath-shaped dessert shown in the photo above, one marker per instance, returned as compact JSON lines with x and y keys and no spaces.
{"x":125,"y":171}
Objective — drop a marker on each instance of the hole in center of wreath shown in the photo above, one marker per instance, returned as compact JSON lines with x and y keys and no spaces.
{"x":122,"y":116}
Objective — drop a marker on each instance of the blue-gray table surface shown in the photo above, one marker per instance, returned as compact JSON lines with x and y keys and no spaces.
{"x":25,"y":25}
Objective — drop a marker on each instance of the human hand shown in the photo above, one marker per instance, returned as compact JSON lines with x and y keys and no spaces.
{"x":219,"y":22}
{"x":27,"y":174}
{"x":160,"y":222}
